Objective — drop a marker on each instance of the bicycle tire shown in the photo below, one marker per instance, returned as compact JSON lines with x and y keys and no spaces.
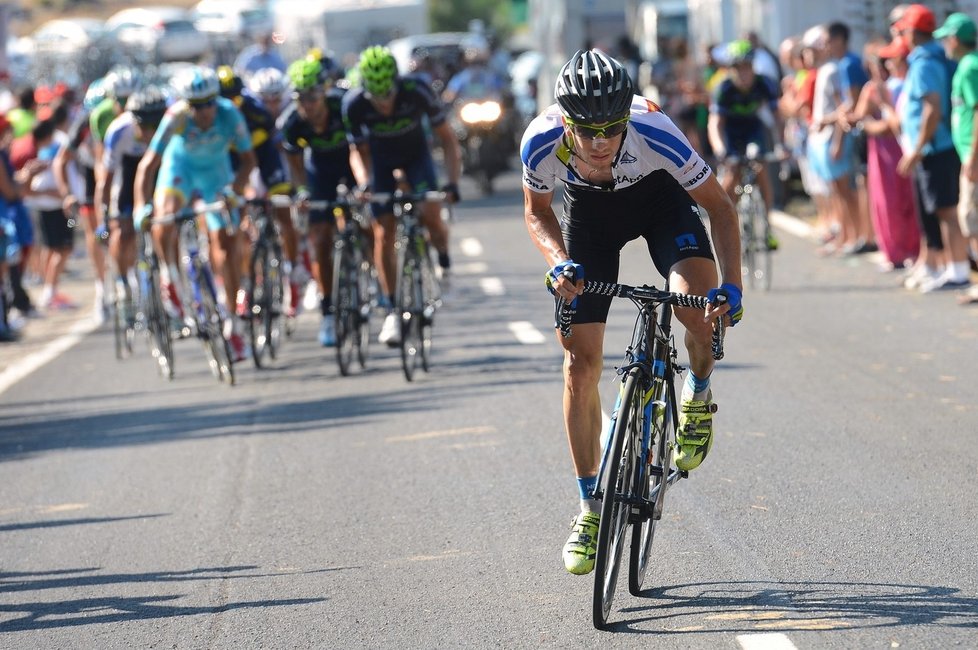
{"x":746,"y":212}
{"x":262,"y":318}
{"x":653,"y":481}
{"x":429,"y":296}
{"x":345,"y":304}
{"x":119,"y":330}
{"x":275,"y":286}
{"x":765,"y":249}
{"x":158,"y":325}
{"x":364,"y":279}
{"x":615,"y":512}
{"x":212,"y":330}
{"x":409,"y":307}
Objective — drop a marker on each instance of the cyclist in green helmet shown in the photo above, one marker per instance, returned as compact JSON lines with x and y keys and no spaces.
{"x":385,"y":118}
{"x":318,"y":152}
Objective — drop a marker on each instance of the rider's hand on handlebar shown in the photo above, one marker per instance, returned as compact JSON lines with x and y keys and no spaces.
{"x":566,"y":279}
{"x":451,"y":189}
{"x":727,"y":299}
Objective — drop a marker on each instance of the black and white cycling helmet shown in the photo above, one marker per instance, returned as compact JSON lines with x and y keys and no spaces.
{"x":594,"y":88}
{"x":147,"y":105}
{"x":120,"y":83}
{"x":268,"y":82}
{"x":197,"y":84}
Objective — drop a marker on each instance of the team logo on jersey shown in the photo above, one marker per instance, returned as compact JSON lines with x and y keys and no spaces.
{"x":687,"y":242}
{"x":627,"y":158}
{"x":652,"y":106}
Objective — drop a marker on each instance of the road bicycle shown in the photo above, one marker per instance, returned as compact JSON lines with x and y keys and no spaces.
{"x":266,"y":279}
{"x":206,"y":313}
{"x":756,"y":239}
{"x":637,"y":460}
{"x":418,"y":293}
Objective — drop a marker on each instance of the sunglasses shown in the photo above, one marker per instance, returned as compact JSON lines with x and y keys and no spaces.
{"x":204,"y":103}
{"x":605,"y":131}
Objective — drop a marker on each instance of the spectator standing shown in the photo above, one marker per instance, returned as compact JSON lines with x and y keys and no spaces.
{"x":959,"y":34}
{"x":23,"y":117}
{"x":891,"y":200}
{"x":928,"y":151}
{"x":261,"y":54}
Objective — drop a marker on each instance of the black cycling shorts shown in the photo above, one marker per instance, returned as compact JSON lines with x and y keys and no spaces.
{"x":597,"y":225}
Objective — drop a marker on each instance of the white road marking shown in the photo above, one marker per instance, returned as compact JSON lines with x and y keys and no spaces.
{"x":492,"y":286}
{"x":471,"y":268}
{"x":429,"y":435}
{"x":471,"y":247}
{"x":793,"y":225}
{"x":526,"y":334}
{"x":49,"y":352}
{"x":772,"y":641}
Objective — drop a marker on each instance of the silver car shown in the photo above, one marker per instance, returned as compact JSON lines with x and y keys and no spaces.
{"x":154,"y":34}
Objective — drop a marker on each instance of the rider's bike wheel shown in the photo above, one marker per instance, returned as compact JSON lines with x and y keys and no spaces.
{"x":617,"y":481}
{"x":212,"y":331}
{"x":345,"y":305}
{"x":762,"y":229}
{"x":653,"y":480}
{"x":158,"y":327}
{"x":409,"y":308}
{"x":745,"y":209}
{"x":265,"y":317}
{"x":364,"y":280}
{"x":429,"y":297}
{"x":122,"y":333}
{"x":275,"y":288}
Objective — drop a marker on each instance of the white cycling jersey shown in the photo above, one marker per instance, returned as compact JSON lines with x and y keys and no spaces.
{"x":651,"y":143}
{"x":121,"y":156}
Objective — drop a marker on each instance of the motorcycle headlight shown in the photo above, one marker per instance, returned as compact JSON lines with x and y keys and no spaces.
{"x":475,"y":112}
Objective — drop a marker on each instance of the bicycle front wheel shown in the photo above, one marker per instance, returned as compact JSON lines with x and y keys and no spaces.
{"x":617,"y":481}
{"x":409,"y":308}
{"x":653,"y":479}
{"x":345,"y":305}
{"x":212,"y":330}
{"x":158,"y":324}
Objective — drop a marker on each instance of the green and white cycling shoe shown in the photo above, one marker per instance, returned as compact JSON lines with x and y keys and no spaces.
{"x":582,"y":545}
{"x":695,"y":435}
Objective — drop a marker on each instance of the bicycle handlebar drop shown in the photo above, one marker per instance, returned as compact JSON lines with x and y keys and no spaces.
{"x":645,"y":294}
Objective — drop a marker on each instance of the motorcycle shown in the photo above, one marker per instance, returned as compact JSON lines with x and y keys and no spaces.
{"x":486,"y":140}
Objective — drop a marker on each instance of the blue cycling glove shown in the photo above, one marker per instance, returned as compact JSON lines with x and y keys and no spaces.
{"x":558,"y":269}
{"x":733,"y":297}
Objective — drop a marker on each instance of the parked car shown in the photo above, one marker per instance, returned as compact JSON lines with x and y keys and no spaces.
{"x":69,"y":36}
{"x":232,"y":19}
{"x":73,"y":50}
{"x":153,"y":34}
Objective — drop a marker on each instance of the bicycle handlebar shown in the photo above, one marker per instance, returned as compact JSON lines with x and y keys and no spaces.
{"x":406,"y":197}
{"x":190,"y":212}
{"x":564,"y":312}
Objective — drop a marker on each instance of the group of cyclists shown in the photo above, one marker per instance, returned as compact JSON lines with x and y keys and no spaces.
{"x":148,"y":149}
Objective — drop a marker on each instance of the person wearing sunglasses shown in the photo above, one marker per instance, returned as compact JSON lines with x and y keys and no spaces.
{"x":628,"y":171}
{"x":190,"y":152}
{"x":386,"y":118}
{"x":317,"y":149}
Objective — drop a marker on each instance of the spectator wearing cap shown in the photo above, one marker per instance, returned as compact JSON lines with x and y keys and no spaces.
{"x":263,"y":53}
{"x":929,"y":154}
{"x":959,"y":34}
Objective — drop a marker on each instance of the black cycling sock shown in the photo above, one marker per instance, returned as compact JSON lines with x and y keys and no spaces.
{"x":443,"y":260}
{"x":325,"y":305}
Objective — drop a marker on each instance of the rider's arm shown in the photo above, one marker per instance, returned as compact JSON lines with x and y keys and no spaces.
{"x":715,"y":126}
{"x":453,"y":156}
{"x":724,"y":227}
{"x":103,"y":181}
{"x":60,"y":169}
{"x":297,"y":168}
{"x":246,"y":163}
{"x":360,"y":162}
{"x":543,"y":225}
{"x":146,"y":178}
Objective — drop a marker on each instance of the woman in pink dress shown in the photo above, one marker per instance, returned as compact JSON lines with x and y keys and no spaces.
{"x":891,"y":199}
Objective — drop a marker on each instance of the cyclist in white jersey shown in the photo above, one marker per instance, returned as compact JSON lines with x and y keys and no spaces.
{"x":628,"y":172}
{"x":124,"y":146}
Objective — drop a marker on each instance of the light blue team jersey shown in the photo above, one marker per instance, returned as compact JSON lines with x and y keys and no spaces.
{"x":179,"y":138}
{"x":930,"y":72}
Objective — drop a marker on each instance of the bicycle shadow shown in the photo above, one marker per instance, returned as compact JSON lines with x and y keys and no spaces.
{"x":44,"y":615}
{"x":758,"y":606}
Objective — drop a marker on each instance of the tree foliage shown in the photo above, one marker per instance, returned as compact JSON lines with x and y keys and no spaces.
{"x":454,"y":15}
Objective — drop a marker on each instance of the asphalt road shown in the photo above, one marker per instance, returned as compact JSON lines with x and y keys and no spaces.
{"x":301,"y":509}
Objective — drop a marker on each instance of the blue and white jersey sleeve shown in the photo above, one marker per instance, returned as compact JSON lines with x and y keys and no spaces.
{"x":652,"y":143}
{"x":119,"y":141}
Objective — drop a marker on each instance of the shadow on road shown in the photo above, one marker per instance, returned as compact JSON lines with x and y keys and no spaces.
{"x":796,"y":606}
{"x":30,"y":525}
{"x":90,"y":611}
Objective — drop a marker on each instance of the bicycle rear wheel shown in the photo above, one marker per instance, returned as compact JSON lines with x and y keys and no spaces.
{"x":616,"y":485}
{"x":212,"y":330}
{"x":264,"y":319}
{"x":158,"y":324}
{"x":364,"y":280}
{"x":653,"y":480}
{"x":429,"y":299}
